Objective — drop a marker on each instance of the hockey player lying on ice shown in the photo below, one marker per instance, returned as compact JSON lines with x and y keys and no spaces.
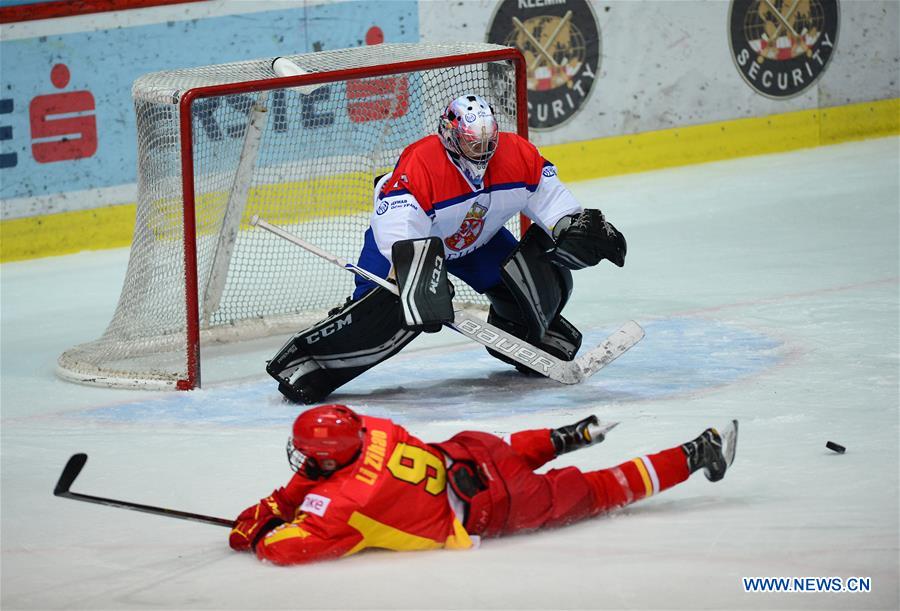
{"x":441,"y":210}
{"x":366,"y":482}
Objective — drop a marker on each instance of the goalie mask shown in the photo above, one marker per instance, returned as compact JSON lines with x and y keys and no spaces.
{"x":470,"y":133}
{"x":324,"y":439}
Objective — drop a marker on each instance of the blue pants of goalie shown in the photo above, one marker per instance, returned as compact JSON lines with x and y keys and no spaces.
{"x":479,"y":269}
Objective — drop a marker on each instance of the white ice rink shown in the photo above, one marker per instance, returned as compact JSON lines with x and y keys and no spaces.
{"x":768,"y":288}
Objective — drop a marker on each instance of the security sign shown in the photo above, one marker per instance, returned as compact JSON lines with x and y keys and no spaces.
{"x":782,"y":47}
{"x":561,"y":44}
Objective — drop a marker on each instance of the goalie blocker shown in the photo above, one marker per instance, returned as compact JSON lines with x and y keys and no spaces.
{"x":426,"y":296}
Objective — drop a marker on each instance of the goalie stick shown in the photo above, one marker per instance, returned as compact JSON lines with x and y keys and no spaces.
{"x":480,"y":331}
{"x":74,"y":467}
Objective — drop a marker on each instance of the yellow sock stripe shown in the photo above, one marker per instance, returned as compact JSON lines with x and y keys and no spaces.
{"x":112,"y":226}
{"x":648,"y":485}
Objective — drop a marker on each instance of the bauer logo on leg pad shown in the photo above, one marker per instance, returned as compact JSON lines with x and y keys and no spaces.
{"x":502,"y":344}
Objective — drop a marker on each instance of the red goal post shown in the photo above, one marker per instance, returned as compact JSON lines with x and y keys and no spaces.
{"x":218,"y":144}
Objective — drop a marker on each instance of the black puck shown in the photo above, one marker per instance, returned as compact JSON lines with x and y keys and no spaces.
{"x":835,"y":447}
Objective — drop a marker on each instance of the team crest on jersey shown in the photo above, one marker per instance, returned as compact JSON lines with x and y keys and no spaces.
{"x":469,"y":229}
{"x":782,"y":47}
{"x":560,"y":40}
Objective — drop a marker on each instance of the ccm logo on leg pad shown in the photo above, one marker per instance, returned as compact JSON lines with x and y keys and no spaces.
{"x":328,"y":329}
{"x":436,"y":274}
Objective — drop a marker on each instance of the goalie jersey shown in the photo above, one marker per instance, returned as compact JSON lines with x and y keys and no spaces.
{"x":393,"y":497}
{"x":427,"y":195}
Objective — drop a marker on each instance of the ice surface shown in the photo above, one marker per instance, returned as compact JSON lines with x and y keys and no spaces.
{"x":768,"y":288}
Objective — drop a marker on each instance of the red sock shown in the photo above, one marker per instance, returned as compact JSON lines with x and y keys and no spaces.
{"x":638,"y":478}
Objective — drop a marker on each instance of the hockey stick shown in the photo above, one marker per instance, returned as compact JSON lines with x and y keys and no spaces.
{"x":74,"y":467}
{"x":486,"y":334}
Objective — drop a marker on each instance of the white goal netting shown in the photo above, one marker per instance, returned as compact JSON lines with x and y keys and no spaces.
{"x":302,"y":158}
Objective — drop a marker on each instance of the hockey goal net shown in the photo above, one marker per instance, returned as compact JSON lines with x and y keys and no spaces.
{"x":219,"y":144}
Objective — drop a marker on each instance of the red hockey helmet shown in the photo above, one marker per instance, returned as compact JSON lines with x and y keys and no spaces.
{"x":324,"y":439}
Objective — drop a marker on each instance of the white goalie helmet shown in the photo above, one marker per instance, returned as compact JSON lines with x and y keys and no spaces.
{"x":470,"y":133}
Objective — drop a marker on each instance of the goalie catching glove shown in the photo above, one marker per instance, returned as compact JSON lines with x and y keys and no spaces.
{"x":583,"y":240}
{"x":426,"y":296}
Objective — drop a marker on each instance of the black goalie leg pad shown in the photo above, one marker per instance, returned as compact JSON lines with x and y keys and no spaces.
{"x":353,"y":339}
{"x":426,"y":297}
{"x":562,"y":339}
{"x":539,"y":287}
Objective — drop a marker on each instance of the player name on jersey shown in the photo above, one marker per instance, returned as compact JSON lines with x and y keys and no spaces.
{"x":373,"y":460}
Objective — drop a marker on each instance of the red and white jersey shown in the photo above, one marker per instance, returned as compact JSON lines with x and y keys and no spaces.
{"x":393,"y":497}
{"x":427,"y":195}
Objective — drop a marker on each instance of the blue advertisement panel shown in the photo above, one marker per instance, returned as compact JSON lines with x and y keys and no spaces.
{"x":66,"y":113}
{"x":353,"y":113}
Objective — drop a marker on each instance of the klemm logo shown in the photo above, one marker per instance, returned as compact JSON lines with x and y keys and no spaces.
{"x":561,"y":44}
{"x":782,"y":47}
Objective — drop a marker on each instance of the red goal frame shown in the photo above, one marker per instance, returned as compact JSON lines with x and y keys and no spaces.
{"x":187,"y":155}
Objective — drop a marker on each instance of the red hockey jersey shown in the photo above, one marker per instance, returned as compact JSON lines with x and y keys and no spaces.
{"x":393,"y":497}
{"x":427,"y":195}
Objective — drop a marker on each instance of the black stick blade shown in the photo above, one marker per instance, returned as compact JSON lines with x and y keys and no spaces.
{"x":70,"y":472}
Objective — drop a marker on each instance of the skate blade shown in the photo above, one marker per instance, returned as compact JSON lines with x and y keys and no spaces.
{"x":729,"y":442}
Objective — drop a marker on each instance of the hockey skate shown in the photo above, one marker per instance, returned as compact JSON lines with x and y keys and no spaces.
{"x":582,"y":434}
{"x":712,"y":451}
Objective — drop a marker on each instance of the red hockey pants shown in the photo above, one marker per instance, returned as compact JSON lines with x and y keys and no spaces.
{"x":517,"y":499}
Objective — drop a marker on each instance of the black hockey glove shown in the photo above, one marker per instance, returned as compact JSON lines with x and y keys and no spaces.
{"x":583,"y":240}
{"x":426,"y":296}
